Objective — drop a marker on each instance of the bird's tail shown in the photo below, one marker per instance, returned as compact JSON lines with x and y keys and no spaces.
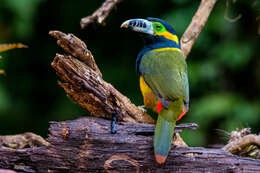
{"x":163,"y":137}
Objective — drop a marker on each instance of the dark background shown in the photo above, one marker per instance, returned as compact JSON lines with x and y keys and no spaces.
{"x":223,"y":65}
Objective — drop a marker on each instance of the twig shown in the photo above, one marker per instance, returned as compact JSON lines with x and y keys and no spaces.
{"x":100,"y":14}
{"x":197,"y":24}
{"x":226,"y":13}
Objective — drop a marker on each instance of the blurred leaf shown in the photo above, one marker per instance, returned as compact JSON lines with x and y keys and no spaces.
{"x":181,"y":2}
{"x":258,"y":21}
{"x":246,"y":112}
{"x":234,"y":55}
{"x":217,"y":24}
{"x":4,"y":100}
{"x":5,"y":47}
{"x":214,"y":105}
{"x":177,"y":18}
{"x":25,"y":12}
{"x":193,"y":138}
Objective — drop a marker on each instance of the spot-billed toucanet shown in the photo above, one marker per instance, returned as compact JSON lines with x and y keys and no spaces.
{"x":163,"y":78}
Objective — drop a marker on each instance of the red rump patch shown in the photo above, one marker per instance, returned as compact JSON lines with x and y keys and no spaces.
{"x":159,"y":107}
{"x":182,"y":114}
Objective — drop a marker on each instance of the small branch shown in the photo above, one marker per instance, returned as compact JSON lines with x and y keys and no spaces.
{"x":243,"y":143}
{"x":197,"y":24}
{"x":100,"y":14}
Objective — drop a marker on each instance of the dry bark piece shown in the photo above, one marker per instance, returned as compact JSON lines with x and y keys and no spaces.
{"x":26,"y":140}
{"x":77,"y":48}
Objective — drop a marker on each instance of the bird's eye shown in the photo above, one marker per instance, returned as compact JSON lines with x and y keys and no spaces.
{"x":158,"y":27}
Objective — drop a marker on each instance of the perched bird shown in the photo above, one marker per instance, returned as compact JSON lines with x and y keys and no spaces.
{"x":163,"y":77}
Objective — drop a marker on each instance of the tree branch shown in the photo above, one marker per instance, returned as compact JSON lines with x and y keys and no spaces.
{"x":197,"y":24}
{"x":86,"y":145}
{"x":100,"y":14}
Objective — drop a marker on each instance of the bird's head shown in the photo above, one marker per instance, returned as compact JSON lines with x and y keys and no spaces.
{"x":153,"y":30}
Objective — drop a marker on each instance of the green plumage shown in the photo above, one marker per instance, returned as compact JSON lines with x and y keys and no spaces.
{"x":163,"y":68}
{"x":166,"y":74}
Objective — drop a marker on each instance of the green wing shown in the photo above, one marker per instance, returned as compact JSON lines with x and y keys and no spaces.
{"x":165,"y":72}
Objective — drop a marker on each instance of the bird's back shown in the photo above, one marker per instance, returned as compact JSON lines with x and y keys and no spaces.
{"x":165,"y":72}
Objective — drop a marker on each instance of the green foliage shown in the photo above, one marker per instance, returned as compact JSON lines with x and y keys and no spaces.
{"x":233,"y":54}
{"x":24,"y":15}
{"x":4,"y":101}
{"x":223,"y":64}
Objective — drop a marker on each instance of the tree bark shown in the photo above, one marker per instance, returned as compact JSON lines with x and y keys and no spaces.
{"x":86,"y":145}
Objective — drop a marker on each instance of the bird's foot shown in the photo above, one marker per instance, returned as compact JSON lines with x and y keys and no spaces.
{"x":113,"y":129}
{"x":142,"y":108}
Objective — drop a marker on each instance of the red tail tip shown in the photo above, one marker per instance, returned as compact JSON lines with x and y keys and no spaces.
{"x":182,"y":114}
{"x":159,"y":107}
{"x":159,"y":158}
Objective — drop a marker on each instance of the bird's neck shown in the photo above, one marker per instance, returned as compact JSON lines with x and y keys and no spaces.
{"x":153,"y":44}
{"x":159,"y":42}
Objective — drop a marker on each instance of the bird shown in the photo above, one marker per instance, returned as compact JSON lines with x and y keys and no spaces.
{"x":163,"y":78}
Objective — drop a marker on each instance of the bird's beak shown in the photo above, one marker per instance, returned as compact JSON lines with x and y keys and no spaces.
{"x":139,"y":25}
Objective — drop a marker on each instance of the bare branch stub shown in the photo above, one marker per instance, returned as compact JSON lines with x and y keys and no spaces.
{"x":197,"y":24}
{"x":100,"y":14}
{"x":77,"y":48}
